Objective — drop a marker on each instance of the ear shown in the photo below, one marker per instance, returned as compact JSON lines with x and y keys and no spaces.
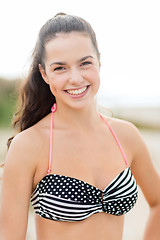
{"x":43,"y":73}
{"x":99,"y":61}
{"x":99,"y":64}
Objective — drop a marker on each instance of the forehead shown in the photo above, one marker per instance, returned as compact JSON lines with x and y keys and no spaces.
{"x":69,"y":45}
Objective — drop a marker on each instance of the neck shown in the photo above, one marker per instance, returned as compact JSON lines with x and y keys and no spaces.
{"x":85,"y":118}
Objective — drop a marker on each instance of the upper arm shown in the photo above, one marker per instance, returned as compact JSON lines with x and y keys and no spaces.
{"x":16,"y":190}
{"x":143,"y":169}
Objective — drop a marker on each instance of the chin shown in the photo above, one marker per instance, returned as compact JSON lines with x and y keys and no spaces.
{"x":82,"y":105}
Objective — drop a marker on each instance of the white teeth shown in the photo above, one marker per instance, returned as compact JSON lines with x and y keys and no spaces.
{"x":76,"y":92}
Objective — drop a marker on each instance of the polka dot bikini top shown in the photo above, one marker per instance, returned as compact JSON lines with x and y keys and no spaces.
{"x":62,"y":198}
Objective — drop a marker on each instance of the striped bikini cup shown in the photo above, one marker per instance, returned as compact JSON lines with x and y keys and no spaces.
{"x":62,"y":198}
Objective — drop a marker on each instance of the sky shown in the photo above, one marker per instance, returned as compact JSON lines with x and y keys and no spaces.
{"x":128,"y":35}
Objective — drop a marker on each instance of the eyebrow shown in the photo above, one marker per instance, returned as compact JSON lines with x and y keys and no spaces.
{"x":64,"y":63}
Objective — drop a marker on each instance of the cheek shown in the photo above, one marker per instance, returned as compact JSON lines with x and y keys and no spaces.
{"x":96,"y":81}
{"x":97,"y":84}
{"x":56,"y":85}
{"x":94,"y":77}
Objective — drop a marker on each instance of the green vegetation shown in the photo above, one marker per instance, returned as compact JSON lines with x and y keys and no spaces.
{"x":9,"y":90}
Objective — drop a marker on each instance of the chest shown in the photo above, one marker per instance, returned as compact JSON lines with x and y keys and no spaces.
{"x":90,"y":157}
{"x":94,"y":158}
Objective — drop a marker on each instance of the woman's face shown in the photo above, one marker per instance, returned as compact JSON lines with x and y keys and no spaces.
{"x":71,"y":69}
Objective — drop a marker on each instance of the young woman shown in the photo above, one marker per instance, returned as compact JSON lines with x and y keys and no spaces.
{"x":79,"y":169}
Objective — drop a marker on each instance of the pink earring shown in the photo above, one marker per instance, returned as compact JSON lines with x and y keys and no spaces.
{"x":54,"y":107}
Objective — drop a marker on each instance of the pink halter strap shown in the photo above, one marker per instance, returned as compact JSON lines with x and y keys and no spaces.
{"x":53,"y":109}
{"x":117,"y":141}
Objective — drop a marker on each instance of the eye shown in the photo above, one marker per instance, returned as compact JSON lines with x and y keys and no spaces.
{"x":59,"y":68}
{"x":85,"y":63}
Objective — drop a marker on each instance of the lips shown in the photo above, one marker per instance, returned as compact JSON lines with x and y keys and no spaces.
{"x":79,"y":92}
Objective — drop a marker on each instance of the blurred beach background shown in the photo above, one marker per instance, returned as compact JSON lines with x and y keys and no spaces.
{"x":128,"y":36}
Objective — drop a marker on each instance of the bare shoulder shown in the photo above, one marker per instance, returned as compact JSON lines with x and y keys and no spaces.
{"x":124,"y":129}
{"x":129,"y":137}
{"x":24,"y":148}
{"x":31,"y":138}
{"x":25,"y":140}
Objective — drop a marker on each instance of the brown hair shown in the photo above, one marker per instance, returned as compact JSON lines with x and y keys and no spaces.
{"x":36,"y":98}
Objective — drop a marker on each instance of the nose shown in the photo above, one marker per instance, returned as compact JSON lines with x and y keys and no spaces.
{"x":75,"y":77}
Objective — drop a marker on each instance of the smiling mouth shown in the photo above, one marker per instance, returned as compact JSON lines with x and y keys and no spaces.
{"x":77,"y":91}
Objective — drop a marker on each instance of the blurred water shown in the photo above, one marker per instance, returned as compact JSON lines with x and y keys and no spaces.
{"x":142,"y":112}
{"x":116,"y":100}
